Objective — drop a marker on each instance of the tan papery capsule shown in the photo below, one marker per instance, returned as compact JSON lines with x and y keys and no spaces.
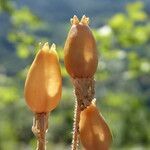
{"x":43,"y":84}
{"x":94,"y":131}
{"x":80,"y":53}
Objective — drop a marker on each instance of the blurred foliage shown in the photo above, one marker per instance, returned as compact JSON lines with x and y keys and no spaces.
{"x":123,"y":75}
{"x":122,"y":80}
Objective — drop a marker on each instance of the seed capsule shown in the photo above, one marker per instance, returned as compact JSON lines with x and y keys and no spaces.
{"x":43,"y":84}
{"x":80,"y":54}
{"x":94,"y":132}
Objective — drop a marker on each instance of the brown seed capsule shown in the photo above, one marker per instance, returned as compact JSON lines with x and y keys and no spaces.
{"x":94,"y":132}
{"x":80,"y":54}
{"x":43,"y":85}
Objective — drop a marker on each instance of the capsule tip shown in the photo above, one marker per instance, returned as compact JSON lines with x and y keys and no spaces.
{"x":45,"y":46}
{"x":74,"y":20}
{"x":85,"y":20}
{"x":53,"y":50}
{"x":53,"y":47}
{"x":40,"y":45}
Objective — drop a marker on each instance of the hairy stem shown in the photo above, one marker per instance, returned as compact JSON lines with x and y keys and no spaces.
{"x":39,"y":128}
{"x":84,"y":92}
{"x":75,"y":139}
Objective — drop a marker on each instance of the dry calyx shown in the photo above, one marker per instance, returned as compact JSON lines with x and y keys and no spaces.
{"x":42,"y":90}
{"x":81,"y":59}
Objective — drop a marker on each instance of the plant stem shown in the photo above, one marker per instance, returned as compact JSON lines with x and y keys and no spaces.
{"x":39,"y":128}
{"x":75,"y":139}
{"x":84,"y":92}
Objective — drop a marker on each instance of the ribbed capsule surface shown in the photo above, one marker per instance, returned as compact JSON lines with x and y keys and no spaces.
{"x":94,"y":132}
{"x":80,"y":53}
{"x":43,"y":84}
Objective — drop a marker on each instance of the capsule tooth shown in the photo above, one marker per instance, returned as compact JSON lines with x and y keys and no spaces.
{"x":74,"y":20}
{"x":40,"y":45}
{"x":53,"y":47}
{"x":71,"y":21}
{"x":45,"y":46}
{"x":83,"y":17}
{"x":87,"y":20}
{"x":84,"y":20}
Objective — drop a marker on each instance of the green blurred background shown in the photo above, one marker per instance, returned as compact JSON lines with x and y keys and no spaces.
{"x":122,"y":32}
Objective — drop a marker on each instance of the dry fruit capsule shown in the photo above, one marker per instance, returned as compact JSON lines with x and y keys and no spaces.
{"x":43,"y":84}
{"x":81,"y":59}
{"x":94,"y":131}
{"x":80,"y":54}
{"x":42,"y":90}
